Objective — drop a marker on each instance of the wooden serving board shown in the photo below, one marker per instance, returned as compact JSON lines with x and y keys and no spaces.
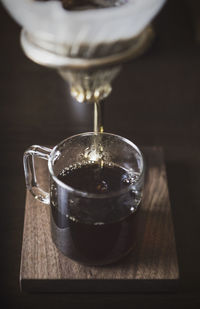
{"x":151,"y":266}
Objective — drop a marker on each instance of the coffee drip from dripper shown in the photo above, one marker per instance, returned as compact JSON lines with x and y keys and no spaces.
{"x":86,"y":41}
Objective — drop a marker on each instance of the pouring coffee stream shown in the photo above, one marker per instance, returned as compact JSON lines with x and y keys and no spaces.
{"x":86,"y":41}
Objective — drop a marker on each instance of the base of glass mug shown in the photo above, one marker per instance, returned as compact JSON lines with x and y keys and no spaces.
{"x":112,"y":261}
{"x":59,"y":239}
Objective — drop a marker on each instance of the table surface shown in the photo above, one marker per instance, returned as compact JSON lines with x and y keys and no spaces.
{"x":155,"y":102}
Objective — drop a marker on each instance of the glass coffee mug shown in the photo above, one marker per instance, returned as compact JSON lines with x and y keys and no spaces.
{"x":96,"y":184}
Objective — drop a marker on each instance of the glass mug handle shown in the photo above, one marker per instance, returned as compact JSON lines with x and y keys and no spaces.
{"x":30,"y":174}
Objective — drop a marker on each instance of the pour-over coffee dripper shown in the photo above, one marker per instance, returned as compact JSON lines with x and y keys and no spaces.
{"x":86,"y":41}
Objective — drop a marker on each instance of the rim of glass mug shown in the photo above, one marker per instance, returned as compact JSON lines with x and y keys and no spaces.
{"x":87,"y":194}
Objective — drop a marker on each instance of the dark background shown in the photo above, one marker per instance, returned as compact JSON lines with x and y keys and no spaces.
{"x":155,"y":101}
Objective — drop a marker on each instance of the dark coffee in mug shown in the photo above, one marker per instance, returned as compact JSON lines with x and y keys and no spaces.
{"x":77,"y":228}
{"x":96,"y":184}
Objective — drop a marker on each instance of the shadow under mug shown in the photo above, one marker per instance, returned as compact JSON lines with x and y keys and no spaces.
{"x":90,"y":228}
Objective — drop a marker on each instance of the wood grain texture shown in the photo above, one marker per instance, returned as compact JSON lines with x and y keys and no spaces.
{"x":151,"y":266}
